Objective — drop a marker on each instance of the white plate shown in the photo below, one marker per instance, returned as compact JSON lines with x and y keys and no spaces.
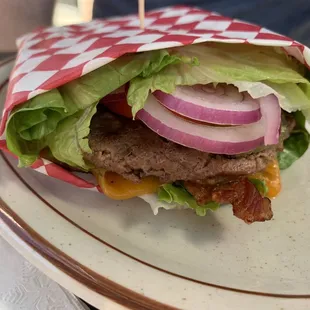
{"x":176,"y":259}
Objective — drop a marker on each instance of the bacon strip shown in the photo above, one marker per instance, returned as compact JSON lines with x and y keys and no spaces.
{"x":247,"y":202}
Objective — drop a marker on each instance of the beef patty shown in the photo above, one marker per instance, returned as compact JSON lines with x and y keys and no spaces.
{"x":134,"y":151}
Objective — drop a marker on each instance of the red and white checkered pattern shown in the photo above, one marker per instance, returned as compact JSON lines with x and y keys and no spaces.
{"x":54,"y":56}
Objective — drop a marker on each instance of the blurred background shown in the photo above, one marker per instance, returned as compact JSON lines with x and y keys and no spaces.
{"x":72,"y":11}
{"x":26,"y":15}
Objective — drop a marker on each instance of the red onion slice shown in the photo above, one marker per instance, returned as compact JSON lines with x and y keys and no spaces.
{"x":221,"y":105}
{"x":207,"y":138}
{"x":271,"y":113}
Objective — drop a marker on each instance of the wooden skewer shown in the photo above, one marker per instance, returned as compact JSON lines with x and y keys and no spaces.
{"x":141,"y":12}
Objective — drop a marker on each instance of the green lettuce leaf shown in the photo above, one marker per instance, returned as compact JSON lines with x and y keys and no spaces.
{"x":296,"y":144}
{"x":69,"y":141}
{"x":260,"y":185}
{"x":258,"y":70}
{"x":156,"y":204}
{"x":173,"y":194}
{"x":30,"y":123}
{"x":49,"y":119}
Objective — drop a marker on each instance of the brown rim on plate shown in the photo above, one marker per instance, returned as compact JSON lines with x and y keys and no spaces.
{"x":130,"y":256}
{"x":84,"y":275}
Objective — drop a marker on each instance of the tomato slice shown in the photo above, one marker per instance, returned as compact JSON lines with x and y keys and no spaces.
{"x":117,"y":102}
{"x":118,"y":106}
{"x":116,"y":187}
{"x":271,"y":175}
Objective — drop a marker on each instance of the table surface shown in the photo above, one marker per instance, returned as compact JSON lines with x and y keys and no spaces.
{"x":23,"y":286}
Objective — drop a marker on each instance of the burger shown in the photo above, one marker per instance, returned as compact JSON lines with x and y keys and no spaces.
{"x":192,"y":127}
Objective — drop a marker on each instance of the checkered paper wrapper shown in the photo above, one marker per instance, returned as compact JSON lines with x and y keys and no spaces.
{"x":51,"y":57}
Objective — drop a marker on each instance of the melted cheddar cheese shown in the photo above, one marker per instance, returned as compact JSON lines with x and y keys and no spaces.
{"x":116,"y":187}
{"x":271,"y":175}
